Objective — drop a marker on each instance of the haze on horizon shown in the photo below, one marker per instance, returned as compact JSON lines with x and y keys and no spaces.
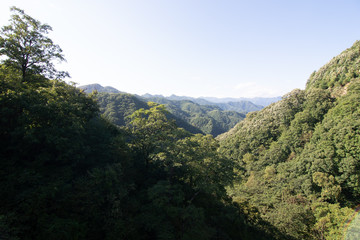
{"x":196,"y":48}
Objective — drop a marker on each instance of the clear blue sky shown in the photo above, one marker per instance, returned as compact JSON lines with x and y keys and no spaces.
{"x":219,"y":48}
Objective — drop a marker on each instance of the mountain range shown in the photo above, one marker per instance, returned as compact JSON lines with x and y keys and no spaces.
{"x":232,"y":104}
{"x":262,"y":101}
{"x":196,"y":115}
{"x":242,"y":105}
{"x":97,"y":87}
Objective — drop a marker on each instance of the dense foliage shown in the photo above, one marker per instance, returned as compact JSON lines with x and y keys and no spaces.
{"x":117,"y":108}
{"x":298,"y":159}
{"x":195,"y":118}
{"x":50,"y":139}
{"x":26,"y":47}
{"x":209,"y":119}
{"x":289,"y":171}
{"x":340,"y":71}
{"x":66,"y":173}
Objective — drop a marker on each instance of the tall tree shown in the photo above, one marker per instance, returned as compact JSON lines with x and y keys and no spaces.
{"x":27,"y":48}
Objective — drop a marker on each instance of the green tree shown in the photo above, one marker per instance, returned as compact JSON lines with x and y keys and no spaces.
{"x":27,"y":48}
{"x":330,"y":219}
{"x":152,"y":132}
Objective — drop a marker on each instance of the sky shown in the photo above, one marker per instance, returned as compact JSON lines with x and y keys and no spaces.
{"x":210,"y":48}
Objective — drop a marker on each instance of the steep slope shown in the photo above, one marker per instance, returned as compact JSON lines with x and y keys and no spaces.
{"x":299,"y":158}
{"x":117,"y":107}
{"x":68,"y":173}
{"x":338,"y":72}
{"x":208,"y":118}
{"x":193,"y":117}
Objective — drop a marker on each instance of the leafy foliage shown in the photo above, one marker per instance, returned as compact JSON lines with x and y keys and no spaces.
{"x":289,"y":171}
{"x":340,"y":71}
{"x":67,"y":173}
{"x":51,"y":137}
{"x":183,"y":180}
{"x":298,"y":159}
{"x":209,"y":119}
{"x":27,"y":48}
{"x":117,"y":108}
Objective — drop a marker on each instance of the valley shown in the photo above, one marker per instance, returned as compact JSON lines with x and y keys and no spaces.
{"x":93,"y":162}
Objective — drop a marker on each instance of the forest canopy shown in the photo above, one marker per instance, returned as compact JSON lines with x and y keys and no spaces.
{"x":288,"y":171}
{"x":68,"y":173}
{"x":298,"y":159}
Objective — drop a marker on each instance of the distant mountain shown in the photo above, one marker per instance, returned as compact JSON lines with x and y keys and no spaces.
{"x":196,"y":115}
{"x":259,"y":102}
{"x":193,"y":117}
{"x":97,"y":87}
{"x":256,"y":100}
{"x":262,"y":101}
{"x":241,"y":106}
{"x":195,"y":100}
{"x":148,"y":95}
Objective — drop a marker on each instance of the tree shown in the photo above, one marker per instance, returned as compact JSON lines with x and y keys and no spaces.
{"x":26,"y":47}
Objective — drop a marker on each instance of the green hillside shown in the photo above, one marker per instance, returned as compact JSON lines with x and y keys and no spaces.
{"x":298,"y":159}
{"x":193,"y":117}
{"x":289,"y":171}
{"x":242,"y":106}
{"x":340,"y":71}
{"x":209,"y":119}
{"x":117,"y":108}
{"x":68,"y":173}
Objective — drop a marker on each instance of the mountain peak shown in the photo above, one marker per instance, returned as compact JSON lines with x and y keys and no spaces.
{"x":97,"y":87}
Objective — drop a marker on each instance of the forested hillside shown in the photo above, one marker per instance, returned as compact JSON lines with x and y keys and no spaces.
{"x":117,"y":108}
{"x":193,"y":117}
{"x":288,"y":171}
{"x":240,"y":105}
{"x":209,"y":119}
{"x":297,"y":160}
{"x":67,"y":173}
